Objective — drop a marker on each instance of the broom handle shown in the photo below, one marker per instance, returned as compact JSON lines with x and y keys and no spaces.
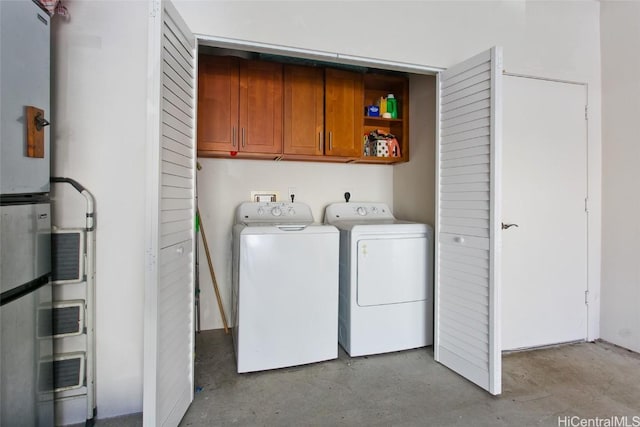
{"x":213,"y":275}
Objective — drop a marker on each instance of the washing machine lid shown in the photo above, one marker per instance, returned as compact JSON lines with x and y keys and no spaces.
{"x":260,"y":229}
{"x":269,"y":214}
{"x":358,"y":213}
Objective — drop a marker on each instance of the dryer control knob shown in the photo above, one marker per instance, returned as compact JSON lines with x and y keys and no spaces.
{"x":292,"y":211}
{"x":361,"y":211}
{"x":260,"y":211}
{"x":276,"y":211}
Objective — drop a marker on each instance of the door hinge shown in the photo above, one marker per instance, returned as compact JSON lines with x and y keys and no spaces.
{"x":151,"y":261}
{"x":586,"y":297}
{"x":586,"y":204}
{"x":586,"y":112}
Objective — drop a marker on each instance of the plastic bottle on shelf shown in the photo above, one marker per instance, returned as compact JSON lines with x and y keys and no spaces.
{"x":383,"y":105}
{"x":392,"y":106}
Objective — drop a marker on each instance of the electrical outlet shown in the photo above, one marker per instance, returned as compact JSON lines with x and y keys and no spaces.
{"x":264,"y":196}
{"x":291,"y":191}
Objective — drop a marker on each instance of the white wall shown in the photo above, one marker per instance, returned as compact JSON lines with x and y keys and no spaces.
{"x":549,"y":39}
{"x":414,"y":182}
{"x":98,"y":134}
{"x":620,"y":33}
{"x":99,"y":101}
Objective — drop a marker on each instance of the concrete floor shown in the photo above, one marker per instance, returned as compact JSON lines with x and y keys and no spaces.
{"x":410,"y":389}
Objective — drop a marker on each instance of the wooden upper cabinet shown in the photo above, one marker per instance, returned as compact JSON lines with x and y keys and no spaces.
{"x":260,"y":107}
{"x":239,"y":106}
{"x":218,"y":103}
{"x":343,"y":113}
{"x":268,"y":110}
{"x":375,"y":87}
{"x":303,"y":110}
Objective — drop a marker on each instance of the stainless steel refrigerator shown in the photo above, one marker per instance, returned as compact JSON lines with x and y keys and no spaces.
{"x":26,"y":349}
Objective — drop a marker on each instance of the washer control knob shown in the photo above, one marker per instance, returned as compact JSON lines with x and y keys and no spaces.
{"x":292,"y":211}
{"x":276,"y":211}
{"x":260,"y":211}
{"x":361,"y":211}
{"x":374,"y":210}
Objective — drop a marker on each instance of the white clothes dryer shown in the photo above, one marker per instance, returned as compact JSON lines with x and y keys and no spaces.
{"x":285,"y":287}
{"x":386,"y":279}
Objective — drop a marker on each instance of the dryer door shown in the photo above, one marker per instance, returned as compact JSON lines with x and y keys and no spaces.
{"x":391,"y":269}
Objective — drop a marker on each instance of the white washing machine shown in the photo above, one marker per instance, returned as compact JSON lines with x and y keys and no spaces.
{"x":285,"y":287}
{"x":386,"y":279}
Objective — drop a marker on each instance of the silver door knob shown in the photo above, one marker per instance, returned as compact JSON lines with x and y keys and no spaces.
{"x":508,"y":226}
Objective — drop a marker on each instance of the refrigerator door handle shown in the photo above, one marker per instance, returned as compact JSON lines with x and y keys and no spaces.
{"x":19,"y":291}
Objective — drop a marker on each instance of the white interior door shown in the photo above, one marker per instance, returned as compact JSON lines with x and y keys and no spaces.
{"x":169,"y":287}
{"x":544,"y":259}
{"x":467,"y":273}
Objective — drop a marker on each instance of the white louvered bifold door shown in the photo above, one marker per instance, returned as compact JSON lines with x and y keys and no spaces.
{"x":169,"y":291}
{"x":467,"y":311}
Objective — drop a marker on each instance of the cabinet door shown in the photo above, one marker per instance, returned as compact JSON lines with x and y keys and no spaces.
{"x":218,"y":101}
{"x":303,"y":110}
{"x":344,"y":107}
{"x":260,"y":107}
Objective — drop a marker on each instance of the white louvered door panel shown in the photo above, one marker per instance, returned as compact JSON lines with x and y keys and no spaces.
{"x":467,"y":317}
{"x":169,"y":299}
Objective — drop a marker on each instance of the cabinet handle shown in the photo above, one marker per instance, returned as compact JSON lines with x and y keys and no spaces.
{"x":233,"y":138}
{"x":330,"y":141}
{"x":243,"y":144}
{"x":320,"y":142}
